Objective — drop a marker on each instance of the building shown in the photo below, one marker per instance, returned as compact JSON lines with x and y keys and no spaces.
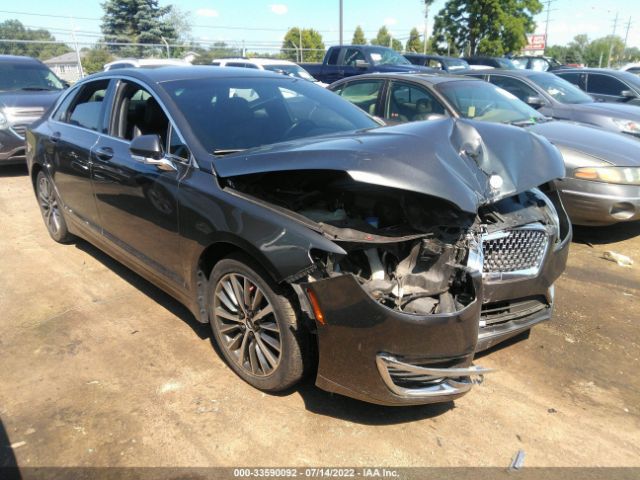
{"x":66,"y":66}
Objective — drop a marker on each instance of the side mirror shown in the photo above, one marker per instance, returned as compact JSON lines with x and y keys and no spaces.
{"x":362,"y":64}
{"x":628,"y":94}
{"x":535,"y":102}
{"x":65,"y":85}
{"x":148,"y":150}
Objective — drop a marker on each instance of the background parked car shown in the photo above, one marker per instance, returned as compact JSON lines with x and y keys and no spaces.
{"x":284,"y":67}
{"x":555,"y":97}
{"x":602,"y":185}
{"x":541,"y":64}
{"x":348,"y":60}
{"x":145,"y":63}
{"x":604,"y":84}
{"x":27,"y":88}
{"x":437,"y":62}
{"x":631,"y":68}
{"x":400,"y":98}
{"x":494,"y":62}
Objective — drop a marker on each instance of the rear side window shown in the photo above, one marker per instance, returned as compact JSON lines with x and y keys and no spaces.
{"x":514,"y":87}
{"x":363,"y":94}
{"x":605,"y":85}
{"x":85,"y":108}
{"x":333,"y":59}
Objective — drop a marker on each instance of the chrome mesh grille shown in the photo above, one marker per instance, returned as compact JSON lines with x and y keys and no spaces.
{"x":519,"y":249}
{"x":20,"y":130}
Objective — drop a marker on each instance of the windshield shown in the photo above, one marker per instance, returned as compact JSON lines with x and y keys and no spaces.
{"x":560,"y":89}
{"x":231,"y":114}
{"x":386,"y":56}
{"x":483,"y":101}
{"x":28,"y":76}
{"x":291,"y":70}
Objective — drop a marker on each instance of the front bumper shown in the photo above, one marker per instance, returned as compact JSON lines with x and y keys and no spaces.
{"x":597,"y":203}
{"x":364,"y":347}
{"x":12,"y":147}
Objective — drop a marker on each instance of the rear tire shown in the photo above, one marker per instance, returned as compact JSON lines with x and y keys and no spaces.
{"x":255,"y":325}
{"x":51,"y":209}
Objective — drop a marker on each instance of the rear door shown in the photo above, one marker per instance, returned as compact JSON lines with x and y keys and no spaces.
{"x":137,"y":202}
{"x":75,"y":129}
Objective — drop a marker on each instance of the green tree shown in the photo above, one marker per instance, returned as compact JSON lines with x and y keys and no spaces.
{"x":216,"y":50}
{"x":137,"y":21}
{"x":490,"y":27}
{"x":95,"y":59}
{"x":358,"y":37}
{"x":631,"y":54}
{"x":414,"y":44}
{"x":559,"y":52}
{"x":309,"y":39}
{"x":597,"y":52}
{"x":384,"y":39}
{"x":14,"y":30}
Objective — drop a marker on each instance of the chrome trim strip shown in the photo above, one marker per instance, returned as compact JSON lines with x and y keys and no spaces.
{"x":616,"y":198}
{"x":451,"y":381}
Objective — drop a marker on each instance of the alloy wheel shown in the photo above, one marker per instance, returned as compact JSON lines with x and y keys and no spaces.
{"x":49,"y":205}
{"x":247,"y":325}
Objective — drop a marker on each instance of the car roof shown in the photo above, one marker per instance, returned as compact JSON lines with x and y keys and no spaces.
{"x":18,"y":58}
{"x":588,"y":70}
{"x":190,"y":72}
{"x":514,"y":72}
{"x":256,"y":61}
{"x":427,"y":78}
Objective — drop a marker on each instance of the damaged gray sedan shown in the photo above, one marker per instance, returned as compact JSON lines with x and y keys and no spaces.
{"x":279,"y":213}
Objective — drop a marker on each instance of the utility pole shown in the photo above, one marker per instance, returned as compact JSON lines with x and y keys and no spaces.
{"x":613,"y":35}
{"x":341,"y":17}
{"x":75,"y":43}
{"x":167,"y":45}
{"x":426,"y":27}
{"x":546,"y":26}
{"x":626,"y":35}
{"x":300,"y":36}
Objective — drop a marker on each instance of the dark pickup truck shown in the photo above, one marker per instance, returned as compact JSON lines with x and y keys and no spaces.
{"x":348,"y":60}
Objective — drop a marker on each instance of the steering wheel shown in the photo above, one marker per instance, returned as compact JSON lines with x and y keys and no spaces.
{"x":480,"y":112}
{"x":298,"y":128}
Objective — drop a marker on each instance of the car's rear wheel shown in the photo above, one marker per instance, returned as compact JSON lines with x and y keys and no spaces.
{"x":255,"y":325}
{"x":51,"y":209}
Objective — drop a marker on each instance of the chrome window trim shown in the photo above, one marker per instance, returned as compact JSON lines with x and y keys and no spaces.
{"x":192,"y":160}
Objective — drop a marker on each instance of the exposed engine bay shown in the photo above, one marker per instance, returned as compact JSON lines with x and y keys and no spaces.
{"x":408,"y":251}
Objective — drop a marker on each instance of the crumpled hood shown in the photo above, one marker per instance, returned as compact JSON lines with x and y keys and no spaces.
{"x":616,"y":148}
{"x":43,"y":99}
{"x":450,"y":159}
{"x":616,"y":110}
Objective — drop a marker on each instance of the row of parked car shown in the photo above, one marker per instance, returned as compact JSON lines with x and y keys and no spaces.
{"x":312,"y":237}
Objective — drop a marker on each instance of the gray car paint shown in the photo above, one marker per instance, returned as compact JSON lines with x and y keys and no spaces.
{"x":414,"y":157}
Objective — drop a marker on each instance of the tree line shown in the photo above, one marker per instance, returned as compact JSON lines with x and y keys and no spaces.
{"x":461,"y":27}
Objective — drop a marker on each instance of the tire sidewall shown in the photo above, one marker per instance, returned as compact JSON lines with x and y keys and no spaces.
{"x":290,"y":369}
{"x":62,"y":235}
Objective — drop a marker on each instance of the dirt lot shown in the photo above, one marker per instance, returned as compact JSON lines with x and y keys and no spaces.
{"x":98,"y":367}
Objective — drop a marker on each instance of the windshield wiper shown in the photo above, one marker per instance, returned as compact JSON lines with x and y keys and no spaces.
{"x":523,"y":123}
{"x":35,"y":89}
{"x":228,"y":151}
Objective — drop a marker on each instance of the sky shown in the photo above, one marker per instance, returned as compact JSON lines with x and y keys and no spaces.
{"x":261,"y":24}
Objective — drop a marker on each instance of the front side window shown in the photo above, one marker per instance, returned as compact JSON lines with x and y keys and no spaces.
{"x":85,"y":109}
{"x":560,"y":89}
{"x":514,"y":86}
{"x":352,"y":55}
{"x":363,"y":94}
{"x":231,"y":114}
{"x":605,"y":85}
{"x":386,"y":56}
{"x":28,"y":76}
{"x":409,"y":103}
{"x":137,"y":113}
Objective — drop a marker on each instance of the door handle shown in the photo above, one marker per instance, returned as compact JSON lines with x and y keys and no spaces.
{"x":104,"y":153}
{"x":55,"y":137}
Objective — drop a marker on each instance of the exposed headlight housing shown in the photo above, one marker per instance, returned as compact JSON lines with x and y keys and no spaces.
{"x":627,"y":126}
{"x":619,"y":175}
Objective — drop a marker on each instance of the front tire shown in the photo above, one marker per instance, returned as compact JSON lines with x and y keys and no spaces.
{"x":255,"y":325}
{"x":51,"y":209}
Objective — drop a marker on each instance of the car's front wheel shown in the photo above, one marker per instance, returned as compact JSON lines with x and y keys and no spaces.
{"x":255,"y":325}
{"x":51,"y":209}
